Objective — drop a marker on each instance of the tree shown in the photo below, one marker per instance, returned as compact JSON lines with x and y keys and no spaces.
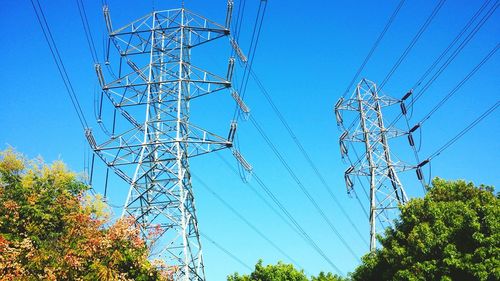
{"x":277,"y":272}
{"x":453,"y":233}
{"x":280,"y":272}
{"x":51,"y":230}
{"x":328,"y":277}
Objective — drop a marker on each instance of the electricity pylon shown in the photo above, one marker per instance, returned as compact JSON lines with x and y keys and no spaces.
{"x":376,"y":164}
{"x":152,"y":137}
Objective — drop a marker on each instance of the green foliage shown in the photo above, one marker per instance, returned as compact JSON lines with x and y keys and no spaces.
{"x":451,"y":234}
{"x":280,"y":272}
{"x":328,"y":277}
{"x":49,"y":230}
{"x":276,"y":272}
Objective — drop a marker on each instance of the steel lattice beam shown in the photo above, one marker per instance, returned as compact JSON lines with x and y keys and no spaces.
{"x":153,"y":138}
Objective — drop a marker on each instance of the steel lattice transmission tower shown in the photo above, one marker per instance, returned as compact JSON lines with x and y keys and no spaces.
{"x":152,"y":137}
{"x":376,"y":164}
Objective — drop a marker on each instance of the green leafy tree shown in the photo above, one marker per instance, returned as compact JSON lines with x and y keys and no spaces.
{"x":280,"y":272}
{"x":277,"y":272}
{"x":328,"y":277}
{"x":50,"y":230}
{"x":453,"y":233}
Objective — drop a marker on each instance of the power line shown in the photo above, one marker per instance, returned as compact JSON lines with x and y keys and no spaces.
{"x":466,"y":40}
{"x":456,"y":88}
{"x":448,"y":48}
{"x":239,"y":18}
{"x":459,"y":85}
{"x":242,"y":218}
{"x":429,"y":70}
{"x":464,"y":131}
{"x":304,"y":152}
{"x":260,"y":196}
{"x":309,"y":240}
{"x":248,"y":66}
{"x":455,"y":53}
{"x":301,"y":186}
{"x":247,"y":72}
{"x":296,"y":226}
{"x":413,"y":42}
{"x":374,"y":47}
{"x":42,"y":21}
{"x":452,"y":92}
{"x":227,"y":252}
{"x":86,"y":28}
{"x":251,"y":53}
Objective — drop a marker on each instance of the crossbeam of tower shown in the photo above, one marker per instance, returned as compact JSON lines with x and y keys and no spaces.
{"x":152,"y":136}
{"x":376,"y":165}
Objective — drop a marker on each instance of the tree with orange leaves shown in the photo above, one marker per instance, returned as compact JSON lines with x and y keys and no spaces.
{"x":50,"y":229}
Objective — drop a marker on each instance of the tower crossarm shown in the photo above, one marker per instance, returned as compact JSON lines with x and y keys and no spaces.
{"x":134,"y":38}
{"x":123,"y":149}
{"x":358,"y":135}
{"x":133,"y":88}
{"x":363,"y":169}
{"x":352,"y":104}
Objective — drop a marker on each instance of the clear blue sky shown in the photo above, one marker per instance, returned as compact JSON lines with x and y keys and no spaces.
{"x":307,"y":54}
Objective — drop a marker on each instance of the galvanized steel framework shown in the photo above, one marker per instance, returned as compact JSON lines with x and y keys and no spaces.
{"x":152,"y":137}
{"x":375,"y":165}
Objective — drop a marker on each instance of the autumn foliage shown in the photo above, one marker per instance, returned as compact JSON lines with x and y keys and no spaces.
{"x":51,"y":230}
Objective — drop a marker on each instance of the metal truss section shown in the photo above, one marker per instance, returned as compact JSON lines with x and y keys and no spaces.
{"x":135,"y":37}
{"x":375,"y":165}
{"x":152,"y":137}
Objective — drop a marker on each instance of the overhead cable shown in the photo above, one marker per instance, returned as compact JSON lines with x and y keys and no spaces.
{"x":87,"y":30}
{"x":374,"y":47}
{"x":459,"y":85}
{"x":452,"y":43}
{"x":251,"y":53}
{"x":299,"y":227}
{"x":260,"y":196}
{"x":457,"y":51}
{"x":227,"y":252}
{"x":239,"y":18}
{"x":290,"y":221}
{"x":302,"y":187}
{"x":454,"y":54}
{"x":247,"y":222}
{"x":42,"y":21}
{"x":304,"y":153}
{"x":464,"y":131}
{"x":412,"y":43}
